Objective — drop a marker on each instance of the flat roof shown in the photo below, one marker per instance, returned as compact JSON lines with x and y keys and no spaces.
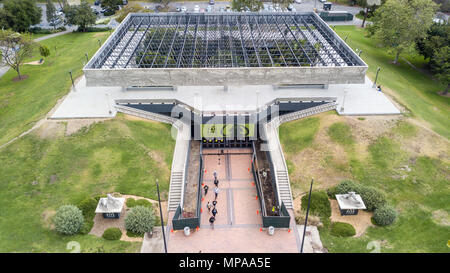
{"x":151,"y":41}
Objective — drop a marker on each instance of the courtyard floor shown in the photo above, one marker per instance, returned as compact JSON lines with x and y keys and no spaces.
{"x":238,"y":223}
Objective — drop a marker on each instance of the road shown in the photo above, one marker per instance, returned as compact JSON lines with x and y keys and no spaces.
{"x":306,"y":5}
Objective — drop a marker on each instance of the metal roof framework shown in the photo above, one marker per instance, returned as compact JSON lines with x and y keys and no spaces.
{"x":223,"y":40}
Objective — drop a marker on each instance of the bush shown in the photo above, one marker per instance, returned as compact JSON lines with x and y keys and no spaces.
{"x":342,"y":229}
{"x":140,"y":220}
{"x":87,"y":207}
{"x":320,"y":205}
{"x":94,"y":29}
{"x":372,"y":198}
{"x":384,"y":215}
{"x":112,"y":234}
{"x":68,"y":220}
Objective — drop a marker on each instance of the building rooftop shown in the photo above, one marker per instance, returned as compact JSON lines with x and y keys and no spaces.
{"x":194,"y":40}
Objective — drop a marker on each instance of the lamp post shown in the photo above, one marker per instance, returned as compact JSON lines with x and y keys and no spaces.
{"x":307,"y":212}
{"x":71,"y":78}
{"x":376,"y":77}
{"x":161,"y":215}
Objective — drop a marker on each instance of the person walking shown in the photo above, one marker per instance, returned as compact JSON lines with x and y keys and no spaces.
{"x":214,"y":212}
{"x":216,"y":182}
{"x":209,"y":207}
{"x":206,"y":189}
{"x":211,"y":221}
{"x":214,"y":203}
{"x":216,"y":192}
{"x":215,"y":174}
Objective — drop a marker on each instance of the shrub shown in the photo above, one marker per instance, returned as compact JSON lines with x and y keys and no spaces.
{"x":140,"y":220}
{"x":44,"y":51}
{"x":372,"y":198}
{"x":87,"y":207}
{"x":112,"y":234}
{"x":68,"y":220}
{"x":320,"y":205}
{"x":384,"y":215}
{"x":342,"y":229}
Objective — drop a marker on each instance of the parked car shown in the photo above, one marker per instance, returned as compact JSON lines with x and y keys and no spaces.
{"x":298,"y":1}
{"x":97,"y":3}
{"x":211,"y":2}
{"x":221,"y":9}
{"x":202,"y":10}
{"x":293,"y":9}
{"x":290,"y":7}
{"x":95,"y":11}
{"x":209,"y":9}
{"x":322,"y":1}
{"x":183,"y":9}
{"x":196,"y":8}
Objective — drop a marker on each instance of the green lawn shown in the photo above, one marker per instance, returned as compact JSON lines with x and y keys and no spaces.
{"x":23,"y":103}
{"x":415,"y":90}
{"x":118,"y":155}
{"x":423,"y":192}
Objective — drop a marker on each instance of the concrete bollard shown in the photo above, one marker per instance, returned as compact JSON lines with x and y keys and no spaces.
{"x":187,"y":231}
{"x":271,"y":230}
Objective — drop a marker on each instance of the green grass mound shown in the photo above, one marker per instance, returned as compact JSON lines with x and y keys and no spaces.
{"x":384,"y":215}
{"x":87,"y":207}
{"x":68,"y":220}
{"x":112,"y":234}
{"x":141,"y":202}
{"x":341,"y":133}
{"x":320,"y":205}
{"x":340,"y":229}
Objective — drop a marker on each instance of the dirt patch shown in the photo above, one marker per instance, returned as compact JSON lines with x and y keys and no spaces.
{"x":50,"y":130}
{"x":36,"y":63}
{"x":46,"y":218}
{"x":101,"y":224}
{"x":22,"y":78}
{"x":360,"y":222}
{"x":441,"y":217}
{"x":74,"y":125}
{"x":131,"y":117}
{"x":98,"y":34}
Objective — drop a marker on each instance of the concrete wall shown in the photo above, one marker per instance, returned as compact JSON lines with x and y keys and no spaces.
{"x":224,"y":76}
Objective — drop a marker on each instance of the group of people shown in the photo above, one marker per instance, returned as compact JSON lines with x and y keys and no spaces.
{"x":212,"y":207}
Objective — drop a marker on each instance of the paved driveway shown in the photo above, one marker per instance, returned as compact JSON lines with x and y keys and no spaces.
{"x":238,"y":222}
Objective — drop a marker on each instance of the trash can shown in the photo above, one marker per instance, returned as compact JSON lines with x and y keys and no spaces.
{"x":271,"y":230}
{"x":187,"y":231}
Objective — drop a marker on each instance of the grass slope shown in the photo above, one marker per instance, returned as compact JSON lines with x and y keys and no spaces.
{"x":117,"y":155}
{"x":413,"y":89}
{"x":23,"y":103}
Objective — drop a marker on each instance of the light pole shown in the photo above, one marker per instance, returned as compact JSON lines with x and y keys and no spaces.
{"x":161,"y":215}
{"x":307,"y":212}
{"x":376,"y":77}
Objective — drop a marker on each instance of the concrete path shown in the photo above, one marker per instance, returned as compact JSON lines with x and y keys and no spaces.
{"x":238,"y":221}
{"x":312,"y":244}
{"x":155,"y":244}
{"x":98,"y":102}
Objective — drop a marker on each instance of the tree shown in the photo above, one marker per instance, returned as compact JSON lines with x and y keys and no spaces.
{"x":441,"y":66}
{"x":80,"y":15}
{"x":16,"y":48}
{"x":112,"y":4}
{"x":134,"y":7}
{"x":50,"y":11}
{"x":369,"y":4}
{"x":437,"y":36}
{"x":21,"y":14}
{"x":399,"y":23}
{"x":252,"y":5}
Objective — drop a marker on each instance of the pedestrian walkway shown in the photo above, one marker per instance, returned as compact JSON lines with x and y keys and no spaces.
{"x":238,"y":221}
